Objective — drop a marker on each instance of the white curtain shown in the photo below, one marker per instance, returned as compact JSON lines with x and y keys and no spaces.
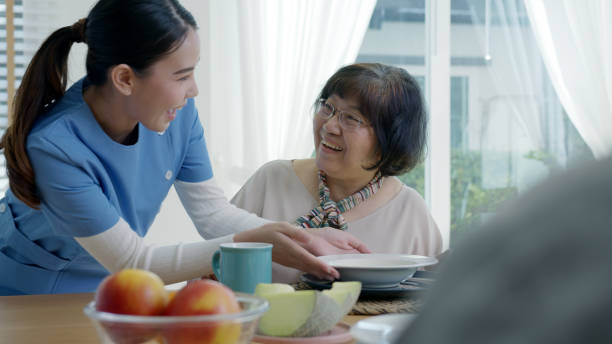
{"x":575,"y":39}
{"x":515,"y":66}
{"x":268,"y":61}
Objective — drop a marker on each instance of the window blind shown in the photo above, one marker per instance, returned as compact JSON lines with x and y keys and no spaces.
{"x":10,"y":71}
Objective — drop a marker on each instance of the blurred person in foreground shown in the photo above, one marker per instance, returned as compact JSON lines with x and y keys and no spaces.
{"x":369,"y":125}
{"x":540,"y":272}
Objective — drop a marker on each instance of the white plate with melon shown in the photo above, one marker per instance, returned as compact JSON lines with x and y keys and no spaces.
{"x":377,"y":270}
{"x":305,"y":313}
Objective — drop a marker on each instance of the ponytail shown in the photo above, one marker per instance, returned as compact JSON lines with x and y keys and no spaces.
{"x":135,"y":32}
{"x":43,"y":83}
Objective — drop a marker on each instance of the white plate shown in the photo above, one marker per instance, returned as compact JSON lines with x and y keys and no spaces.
{"x":338,"y":334}
{"x":377,"y":270}
{"x":381,"y":329}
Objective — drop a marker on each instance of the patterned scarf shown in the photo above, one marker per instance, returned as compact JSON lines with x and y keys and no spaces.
{"x":329,"y":213}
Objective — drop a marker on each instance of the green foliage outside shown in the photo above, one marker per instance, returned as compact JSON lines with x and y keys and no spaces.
{"x":470,"y":202}
{"x":415,"y":179}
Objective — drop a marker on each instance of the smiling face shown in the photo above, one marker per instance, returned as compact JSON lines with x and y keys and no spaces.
{"x":343,"y":154}
{"x":166,"y":86}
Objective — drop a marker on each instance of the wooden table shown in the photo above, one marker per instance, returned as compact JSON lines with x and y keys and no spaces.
{"x":55,"y":319}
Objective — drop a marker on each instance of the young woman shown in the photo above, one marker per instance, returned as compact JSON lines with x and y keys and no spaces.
{"x":89,"y":167}
{"x":370,"y":125}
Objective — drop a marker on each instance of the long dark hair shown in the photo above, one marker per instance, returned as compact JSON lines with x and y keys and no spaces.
{"x":135,"y":32}
{"x":392,"y":101}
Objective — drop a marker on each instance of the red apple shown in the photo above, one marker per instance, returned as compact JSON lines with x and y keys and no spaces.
{"x":171,"y":294}
{"x":203,"y":297}
{"x":133,"y":292}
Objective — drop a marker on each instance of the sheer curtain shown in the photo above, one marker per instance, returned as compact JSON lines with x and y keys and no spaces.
{"x":513,"y":123}
{"x":519,"y":85}
{"x":575,"y":39}
{"x":268,"y":61}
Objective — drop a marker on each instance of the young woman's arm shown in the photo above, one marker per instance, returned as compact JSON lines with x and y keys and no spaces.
{"x":214,"y":216}
{"x":211,"y":212}
{"x":120,"y":247}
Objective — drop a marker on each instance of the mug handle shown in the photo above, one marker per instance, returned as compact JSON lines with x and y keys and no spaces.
{"x":215,"y":264}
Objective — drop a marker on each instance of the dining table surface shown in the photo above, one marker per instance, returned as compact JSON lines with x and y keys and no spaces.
{"x":58,"y":319}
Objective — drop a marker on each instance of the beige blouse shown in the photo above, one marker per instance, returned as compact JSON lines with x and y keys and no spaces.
{"x":402,"y":225}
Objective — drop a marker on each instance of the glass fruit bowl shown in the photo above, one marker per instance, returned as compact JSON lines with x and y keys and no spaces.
{"x":237,"y":328}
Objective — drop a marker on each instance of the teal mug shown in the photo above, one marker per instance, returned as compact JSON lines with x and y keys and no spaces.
{"x":242,"y":265}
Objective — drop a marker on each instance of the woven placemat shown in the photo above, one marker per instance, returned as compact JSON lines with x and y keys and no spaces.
{"x":375,"y":306}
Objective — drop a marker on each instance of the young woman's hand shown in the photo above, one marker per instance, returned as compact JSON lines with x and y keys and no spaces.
{"x":297,"y":247}
{"x":328,"y":241}
{"x":291,"y":246}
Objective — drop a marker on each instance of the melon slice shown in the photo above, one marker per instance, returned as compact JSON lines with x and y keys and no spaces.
{"x":304,"y":313}
{"x":262,"y":289}
{"x":345,"y":294}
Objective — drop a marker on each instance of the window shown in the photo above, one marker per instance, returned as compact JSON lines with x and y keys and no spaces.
{"x":507,"y":127}
{"x":11,"y":70}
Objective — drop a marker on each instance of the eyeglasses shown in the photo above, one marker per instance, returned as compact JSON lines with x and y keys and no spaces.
{"x":347,"y":120}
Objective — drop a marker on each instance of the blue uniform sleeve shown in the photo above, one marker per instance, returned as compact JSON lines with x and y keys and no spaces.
{"x":196,"y":165}
{"x":71,"y":198}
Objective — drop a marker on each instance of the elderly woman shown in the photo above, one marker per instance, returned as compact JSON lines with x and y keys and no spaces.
{"x":369,"y":126}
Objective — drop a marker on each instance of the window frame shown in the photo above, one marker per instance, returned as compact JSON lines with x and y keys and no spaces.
{"x":437,"y":94}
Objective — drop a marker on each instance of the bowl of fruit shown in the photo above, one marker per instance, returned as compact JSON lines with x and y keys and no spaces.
{"x":133,"y":306}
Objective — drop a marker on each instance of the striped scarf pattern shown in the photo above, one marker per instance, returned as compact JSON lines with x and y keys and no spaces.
{"x":329,"y":213}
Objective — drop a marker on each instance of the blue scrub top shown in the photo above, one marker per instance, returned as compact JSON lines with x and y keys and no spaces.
{"x":86,"y":182}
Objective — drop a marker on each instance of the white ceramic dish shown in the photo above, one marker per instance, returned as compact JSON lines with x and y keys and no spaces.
{"x":377,"y":270}
{"x":381,"y":329}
